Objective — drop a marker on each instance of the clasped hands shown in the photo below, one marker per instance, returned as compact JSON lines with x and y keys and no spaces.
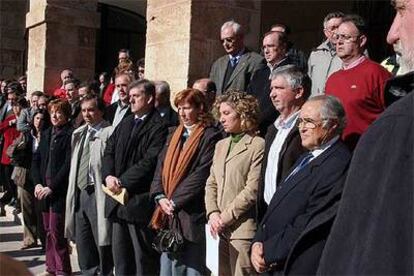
{"x":216,"y":224}
{"x":113,"y":184}
{"x":167,"y":206}
{"x":41,"y":192}
{"x":257,"y":257}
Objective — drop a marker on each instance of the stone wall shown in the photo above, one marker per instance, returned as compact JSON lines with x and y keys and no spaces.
{"x":12,"y":38}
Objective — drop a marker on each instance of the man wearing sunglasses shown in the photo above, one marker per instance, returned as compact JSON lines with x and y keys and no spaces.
{"x":360,"y":83}
{"x":235,"y":69}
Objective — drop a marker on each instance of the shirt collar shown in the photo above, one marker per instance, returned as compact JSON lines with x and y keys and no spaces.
{"x":122,"y":105}
{"x":288,"y":123}
{"x":142,"y":118}
{"x":355,"y":63}
{"x":273,"y":67}
{"x":238,"y":55}
{"x":95,"y":128}
{"x":321,"y":149}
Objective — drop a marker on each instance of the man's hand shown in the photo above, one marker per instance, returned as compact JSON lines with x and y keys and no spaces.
{"x":166,"y":206}
{"x":113,"y":184}
{"x":216,"y":224}
{"x":257,"y":257}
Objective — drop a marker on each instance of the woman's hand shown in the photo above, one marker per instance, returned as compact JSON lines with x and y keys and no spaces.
{"x":37,"y":190}
{"x":45,"y":192}
{"x":166,"y":206}
{"x":216,"y":224}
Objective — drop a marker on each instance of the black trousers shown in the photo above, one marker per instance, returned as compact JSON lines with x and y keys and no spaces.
{"x":132,"y":251}
{"x":92,"y":258}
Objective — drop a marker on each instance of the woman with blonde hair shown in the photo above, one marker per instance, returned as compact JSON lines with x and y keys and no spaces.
{"x":231,"y":188}
{"x":179,"y":182}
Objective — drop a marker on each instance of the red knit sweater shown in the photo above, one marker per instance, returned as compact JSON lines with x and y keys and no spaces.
{"x":361,"y":91}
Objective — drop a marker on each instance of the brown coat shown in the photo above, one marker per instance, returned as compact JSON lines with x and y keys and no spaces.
{"x":233,"y":182}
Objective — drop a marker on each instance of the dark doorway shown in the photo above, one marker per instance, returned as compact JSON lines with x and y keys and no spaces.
{"x":120,"y":28}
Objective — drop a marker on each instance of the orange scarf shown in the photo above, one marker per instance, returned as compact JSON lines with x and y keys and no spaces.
{"x":175,"y":167}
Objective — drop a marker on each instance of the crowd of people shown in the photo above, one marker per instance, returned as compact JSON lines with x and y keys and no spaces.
{"x":285,"y":159}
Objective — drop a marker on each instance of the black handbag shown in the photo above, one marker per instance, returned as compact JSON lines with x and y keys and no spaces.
{"x":170,"y":239}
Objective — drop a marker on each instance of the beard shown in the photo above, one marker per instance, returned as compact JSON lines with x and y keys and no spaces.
{"x":407,"y":60}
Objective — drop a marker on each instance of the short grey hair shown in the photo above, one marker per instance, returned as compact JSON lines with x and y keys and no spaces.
{"x":237,"y":28}
{"x":331,"y":15}
{"x":162,"y":87}
{"x":332,"y":109}
{"x":295,"y":77}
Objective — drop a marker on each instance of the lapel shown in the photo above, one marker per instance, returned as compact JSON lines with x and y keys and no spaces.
{"x":293,"y":132}
{"x":222,"y":69}
{"x":240,"y":147}
{"x":303,"y":175}
{"x":239,"y":67}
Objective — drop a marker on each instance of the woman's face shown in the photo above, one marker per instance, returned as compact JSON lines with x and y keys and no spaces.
{"x":189,"y":114}
{"x":57,"y":117}
{"x":16,"y":110}
{"x":38,"y":120}
{"x":230,"y":119}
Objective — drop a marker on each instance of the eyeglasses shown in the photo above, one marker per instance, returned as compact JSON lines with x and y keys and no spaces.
{"x":345,"y":37}
{"x":308,"y":123}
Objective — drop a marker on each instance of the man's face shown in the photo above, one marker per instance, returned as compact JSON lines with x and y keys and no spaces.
{"x":66,"y":75}
{"x":90,"y":112}
{"x":231,"y":42}
{"x":34,"y":101}
{"x":202,"y":86}
{"x":283,"y":96}
{"x":312,"y":133}
{"x":122,"y":56}
{"x":402,"y":31}
{"x":350,"y":42}
{"x":42,"y":103}
{"x":330,"y":28}
{"x":72,"y":93}
{"x":272,"y":49}
{"x":121,"y":84}
{"x":161,"y":99}
{"x":139,"y":102}
{"x":82,"y":92}
{"x":11,"y":98}
{"x":141,"y":71}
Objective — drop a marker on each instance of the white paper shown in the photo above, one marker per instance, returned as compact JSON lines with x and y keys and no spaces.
{"x":212,"y":252}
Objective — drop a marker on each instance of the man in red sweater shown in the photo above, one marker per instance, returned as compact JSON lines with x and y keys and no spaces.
{"x":360,"y":83}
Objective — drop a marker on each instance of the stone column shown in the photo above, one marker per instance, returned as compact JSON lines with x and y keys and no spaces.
{"x":61,"y":35}
{"x":12,"y":38}
{"x":183,"y":36}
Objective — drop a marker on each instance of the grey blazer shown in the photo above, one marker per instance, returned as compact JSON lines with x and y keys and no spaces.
{"x":249,"y":63}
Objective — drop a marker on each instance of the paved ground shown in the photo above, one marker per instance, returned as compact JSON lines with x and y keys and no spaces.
{"x":11,"y":236}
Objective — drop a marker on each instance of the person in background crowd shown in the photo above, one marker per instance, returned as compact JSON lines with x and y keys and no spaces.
{"x":295,"y":55}
{"x":323,"y":60}
{"x":290,"y":88}
{"x":236,"y":68}
{"x":3,"y":92}
{"x":321,"y":121}
{"x":129,"y":163}
{"x":65,"y":76}
{"x":125,"y":65}
{"x":141,"y":68}
{"x":120,"y":109}
{"x":72,"y":95}
{"x":87,"y":87}
{"x":231,"y":188}
{"x":359,"y":85}
{"x":23,"y":83}
{"x":50,"y":170}
{"x":106,"y":87}
{"x":26,"y":115}
{"x":85,"y":220}
{"x":163,"y":104}
{"x":208,"y":88}
{"x":373,"y":231}
{"x":274,"y":49}
{"x":179,"y":182}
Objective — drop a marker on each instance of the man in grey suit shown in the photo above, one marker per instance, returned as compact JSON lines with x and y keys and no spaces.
{"x":236,"y":68}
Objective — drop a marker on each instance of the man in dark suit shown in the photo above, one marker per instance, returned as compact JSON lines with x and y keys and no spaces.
{"x":236,"y":69}
{"x":119,"y":109}
{"x":290,"y":88}
{"x":274,"y":49}
{"x":129,"y":162}
{"x":321,"y":121}
{"x":163,"y":103}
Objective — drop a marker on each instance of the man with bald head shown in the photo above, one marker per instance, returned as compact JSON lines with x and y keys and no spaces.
{"x":65,"y":76}
{"x":275,"y":53}
{"x":163,"y":103}
{"x":208,"y":87}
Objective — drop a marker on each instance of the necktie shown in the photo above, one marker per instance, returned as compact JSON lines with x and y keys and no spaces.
{"x":137,"y":122}
{"x":301,"y":165}
{"x":83,"y":168}
{"x":233,"y":61}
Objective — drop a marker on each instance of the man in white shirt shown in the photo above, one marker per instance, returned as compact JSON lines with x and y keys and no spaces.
{"x":290,"y":88}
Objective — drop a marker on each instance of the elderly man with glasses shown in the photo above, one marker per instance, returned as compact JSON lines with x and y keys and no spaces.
{"x":303,"y":192}
{"x":360,"y":83}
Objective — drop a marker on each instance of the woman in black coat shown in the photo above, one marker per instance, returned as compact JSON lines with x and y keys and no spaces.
{"x":50,"y":174}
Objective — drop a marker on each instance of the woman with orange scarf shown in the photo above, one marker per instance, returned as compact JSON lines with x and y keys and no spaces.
{"x":179,"y":182}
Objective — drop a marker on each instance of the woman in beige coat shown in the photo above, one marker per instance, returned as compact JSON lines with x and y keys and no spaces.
{"x":232,"y":185}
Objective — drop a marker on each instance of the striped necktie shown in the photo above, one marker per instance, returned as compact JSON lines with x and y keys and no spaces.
{"x":83,"y":168}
